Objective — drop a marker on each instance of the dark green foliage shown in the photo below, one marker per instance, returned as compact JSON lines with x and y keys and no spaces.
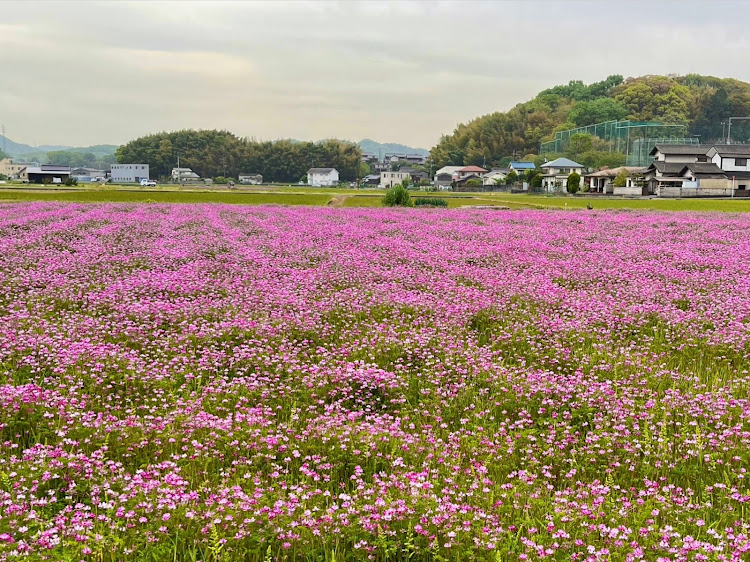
{"x":621,"y":180}
{"x":221,"y":180}
{"x":574,"y":183}
{"x":512,"y":177}
{"x":536,"y":182}
{"x":474,"y":182}
{"x":430,"y":202}
{"x":397,"y":196}
{"x":71,"y":181}
{"x":220,"y":153}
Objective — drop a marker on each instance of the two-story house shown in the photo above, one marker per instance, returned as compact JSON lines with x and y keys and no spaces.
{"x":555,"y":174}
{"x":734,"y":160}
{"x":389,"y":179}
{"x":322,"y":177}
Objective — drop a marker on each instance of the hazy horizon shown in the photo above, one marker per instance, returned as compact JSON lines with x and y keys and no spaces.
{"x":85,"y":73}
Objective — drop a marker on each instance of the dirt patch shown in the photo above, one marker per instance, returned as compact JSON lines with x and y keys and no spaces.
{"x":338,"y":201}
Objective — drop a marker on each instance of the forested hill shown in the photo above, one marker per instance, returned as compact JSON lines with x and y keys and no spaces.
{"x":700,"y":102}
{"x":220,"y":153}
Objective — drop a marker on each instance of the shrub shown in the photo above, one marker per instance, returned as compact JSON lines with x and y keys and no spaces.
{"x":474,"y":182}
{"x":71,"y":181}
{"x":621,"y":180}
{"x":397,"y":196}
{"x":574,"y":183}
{"x":512,"y":177}
{"x":430,"y":202}
{"x":220,"y":180}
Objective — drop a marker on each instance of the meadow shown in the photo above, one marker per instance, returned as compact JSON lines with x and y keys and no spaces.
{"x":296,"y":195}
{"x":223,"y":382}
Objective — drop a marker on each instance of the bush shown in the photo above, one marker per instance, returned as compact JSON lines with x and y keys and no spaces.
{"x":406,"y":182}
{"x":536,"y":181}
{"x":512,"y":177}
{"x":397,"y":196}
{"x":574,"y":183}
{"x":220,"y":179}
{"x":621,"y":180}
{"x":71,"y":181}
{"x":430,"y":202}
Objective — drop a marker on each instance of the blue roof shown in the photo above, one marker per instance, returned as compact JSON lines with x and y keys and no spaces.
{"x":562,"y":163}
{"x":522,"y":165}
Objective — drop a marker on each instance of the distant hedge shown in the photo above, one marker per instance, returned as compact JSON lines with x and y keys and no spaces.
{"x":430,"y":202}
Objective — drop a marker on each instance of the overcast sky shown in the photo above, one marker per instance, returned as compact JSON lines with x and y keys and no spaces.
{"x":82,"y":73}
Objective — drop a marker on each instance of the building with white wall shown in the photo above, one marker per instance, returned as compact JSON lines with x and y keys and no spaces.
{"x":389,"y":179}
{"x":555,"y":174}
{"x":322,"y":177}
{"x":129,"y":173}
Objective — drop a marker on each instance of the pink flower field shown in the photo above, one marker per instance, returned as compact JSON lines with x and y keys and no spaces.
{"x":225,"y":383}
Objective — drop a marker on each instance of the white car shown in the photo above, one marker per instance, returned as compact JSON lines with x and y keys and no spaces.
{"x":148,"y":183}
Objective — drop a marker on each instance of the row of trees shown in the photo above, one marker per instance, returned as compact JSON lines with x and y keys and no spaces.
{"x":79,"y":159}
{"x":212,"y":153}
{"x":701,"y":103}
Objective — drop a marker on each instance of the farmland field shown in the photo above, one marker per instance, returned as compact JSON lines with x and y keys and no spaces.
{"x":222,"y":383}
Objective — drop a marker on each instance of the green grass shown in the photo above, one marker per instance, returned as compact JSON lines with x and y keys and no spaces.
{"x":117,"y":196}
{"x":297,"y":195}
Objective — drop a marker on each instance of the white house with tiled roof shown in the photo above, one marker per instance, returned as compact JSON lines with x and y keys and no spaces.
{"x":322,"y":177}
{"x":555,"y":174}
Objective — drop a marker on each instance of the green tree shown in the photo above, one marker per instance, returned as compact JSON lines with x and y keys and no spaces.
{"x":621,"y":180}
{"x":364,"y":169}
{"x":574,"y":183}
{"x":597,"y":111}
{"x":511,"y":178}
{"x":397,"y":196}
{"x":406,"y":182}
{"x":536,"y":182}
{"x":579,"y":144}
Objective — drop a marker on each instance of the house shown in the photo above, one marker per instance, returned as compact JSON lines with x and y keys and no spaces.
{"x":602,"y":181}
{"x":495,"y":176}
{"x":682,"y":153}
{"x":464,"y":181}
{"x":445,"y":176}
{"x":46,"y":174}
{"x":129,"y":173}
{"x":520,"y":168}
{"x":250,"y":179}
{"x":470,"y":171}
{"x":372,"y":179}
{"x":12,"y":169}
{"x":416,"y":175}
{"x":733,"y":159}
{"x":389,"y":179}
{"x":403,"y":157}
{"x":183,"y":174}
{"x":555,"y":174}
{"x":322,"y":177}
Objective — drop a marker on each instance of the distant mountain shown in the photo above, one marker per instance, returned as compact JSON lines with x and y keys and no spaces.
{"x":374,"y":147}
{"x":19,"y":149}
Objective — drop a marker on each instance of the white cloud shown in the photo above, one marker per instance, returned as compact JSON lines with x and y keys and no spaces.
{"x":83,"y":73}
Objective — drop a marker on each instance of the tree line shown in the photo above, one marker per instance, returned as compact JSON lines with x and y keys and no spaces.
{"x":212,"y":153}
